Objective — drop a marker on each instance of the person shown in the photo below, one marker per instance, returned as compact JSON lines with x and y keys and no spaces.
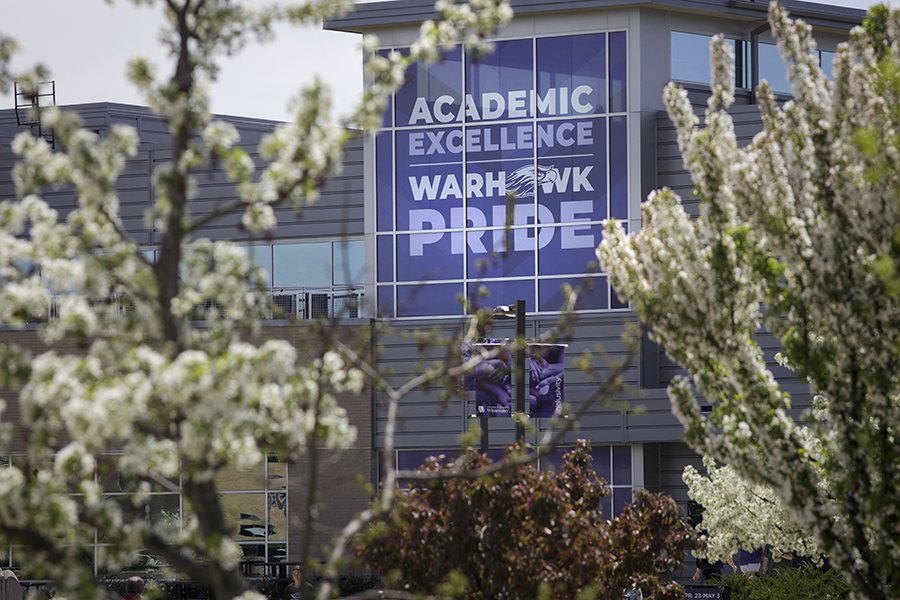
{"x":293,"y":590}
{"x":706,"y":569}
{"x":782,"y":564}
{"x":750,"y":560}
{"x":134,"y":588}
{"x":10,"y":588}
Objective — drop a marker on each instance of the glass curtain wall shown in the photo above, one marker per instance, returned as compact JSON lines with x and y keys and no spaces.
{"x":255,"y":503}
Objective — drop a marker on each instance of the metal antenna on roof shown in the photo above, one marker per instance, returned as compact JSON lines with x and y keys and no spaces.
{"x":28,"y":107}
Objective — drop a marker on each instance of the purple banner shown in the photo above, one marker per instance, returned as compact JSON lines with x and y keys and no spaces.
{"x":493,"y":383}
{"x":533,"y":136}
{"x":545,"y":387}
{"x":571,"y":74}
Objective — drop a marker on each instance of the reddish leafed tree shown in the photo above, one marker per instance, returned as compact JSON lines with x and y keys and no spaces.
{"x":524,"y":533}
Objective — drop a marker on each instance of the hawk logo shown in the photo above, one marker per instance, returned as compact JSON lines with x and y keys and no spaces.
{"x":522,"y":181}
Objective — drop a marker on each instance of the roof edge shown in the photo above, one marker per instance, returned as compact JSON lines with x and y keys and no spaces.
{"x":396,"y":12}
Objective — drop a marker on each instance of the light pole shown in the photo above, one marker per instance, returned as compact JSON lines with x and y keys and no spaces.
{"x":518,"y":312}
{"x":520,"y":368}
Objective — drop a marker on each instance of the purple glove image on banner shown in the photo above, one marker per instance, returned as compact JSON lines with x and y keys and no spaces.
{"x":469,"y":349}
{"x":545,"y":388}
{"x":493,"y":383}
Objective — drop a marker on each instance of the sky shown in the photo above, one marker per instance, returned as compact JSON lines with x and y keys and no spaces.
{"x":87,"y":43}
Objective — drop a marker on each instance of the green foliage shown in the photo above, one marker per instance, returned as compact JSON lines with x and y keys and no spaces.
{"x":355,"y":582}
{"x":805,"y":583}
{"x":520,"y":531}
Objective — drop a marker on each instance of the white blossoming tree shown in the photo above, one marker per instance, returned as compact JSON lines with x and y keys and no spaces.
{"x":798,"y":232}
{"x":176,"y":403}
{"x":739,"y":513}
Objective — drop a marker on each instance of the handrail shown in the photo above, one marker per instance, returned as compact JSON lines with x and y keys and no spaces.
{"x":296,"y":304}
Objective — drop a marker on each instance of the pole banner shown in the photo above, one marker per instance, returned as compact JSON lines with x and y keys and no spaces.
{"x":545,"y":387}
{"x":493,"y":382}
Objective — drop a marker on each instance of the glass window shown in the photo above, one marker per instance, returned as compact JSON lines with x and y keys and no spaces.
{"x":690,"y":57}
{"x":484,"y":294}
{"x":535,"y":124}
{"x":440,"y":85}
{"x":277,"y":552}
{"x":621,"y":464}
{"x":241,"y":479}
{"x":385,"y":268}
{"x":245,"y":515}
{"x":487,"y":256}
{"x":262,"y":256}
{"x":430,"y":183}
{"x":254,"y":501}
{"x":621,"y":497}
{"x":771,"y":68}
{"x":349,"y":263}
{"x":384,"y":158}
{"x":618,"y":71}
{"x":277,"y":475}
{"x":385,"y":301}
{"x":302,"y":265}
{"x":427,"y":300}
{"x":612,"y":464}
{"x":575,"y":188}
{"x":570,"y":249}
{"x":567,"y":62}
{"x":417,"y":256}
{"x":507,"y":72}
{"x":114,"y":481}
{"x":254,"y":553}
{"x":161,"y":510}
{"x":826,"y":61}
{"x":618,"y":168}
{"x":593,"y":293}
{"x":277,"y":515}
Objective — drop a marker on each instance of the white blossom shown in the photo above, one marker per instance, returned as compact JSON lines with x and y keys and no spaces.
{"x":134,"y":381}
{"x":796,"y":233}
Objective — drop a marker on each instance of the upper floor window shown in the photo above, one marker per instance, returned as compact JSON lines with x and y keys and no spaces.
{"x":690,"y":57}
{"x":311,"y":265}
{"x":772,"y":69}
{"x":826,"y":61}
{"x":690,"y":61}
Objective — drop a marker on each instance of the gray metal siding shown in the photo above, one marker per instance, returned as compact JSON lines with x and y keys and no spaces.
{"x":670,"y":170}
{"x":427,"y":423}
{"x":424,"y":421}
{"x":338,"y":212}
{"x":671,"y":173}
{"x":673,"y":458}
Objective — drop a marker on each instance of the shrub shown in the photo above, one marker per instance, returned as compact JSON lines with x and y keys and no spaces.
{"x":524,"y":533}
{"x":805,"y":583}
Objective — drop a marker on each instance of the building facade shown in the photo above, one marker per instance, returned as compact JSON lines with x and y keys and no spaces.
{"x":567,"y":113}
{"x":315,"y":264}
